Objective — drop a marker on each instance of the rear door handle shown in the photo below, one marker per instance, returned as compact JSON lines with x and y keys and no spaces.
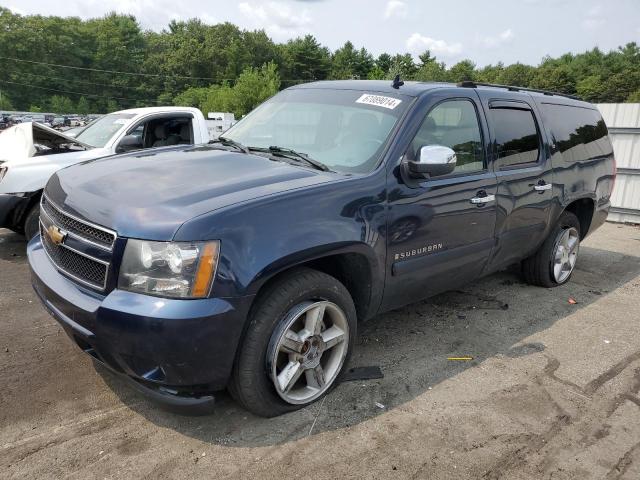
{"x":483,"y":199}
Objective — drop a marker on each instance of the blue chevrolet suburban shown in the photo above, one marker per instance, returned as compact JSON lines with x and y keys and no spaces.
{"x":248,"y":262}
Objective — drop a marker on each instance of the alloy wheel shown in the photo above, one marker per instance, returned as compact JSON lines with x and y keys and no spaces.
{"x":306,"y":355}
{"x":566,"y":254}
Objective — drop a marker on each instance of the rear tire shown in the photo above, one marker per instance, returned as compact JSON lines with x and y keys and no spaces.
{"x":553,"y":264}
{"x":305,"y":307}
{"x":32,"y":222}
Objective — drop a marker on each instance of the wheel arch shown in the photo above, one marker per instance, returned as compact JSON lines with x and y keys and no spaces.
{"x":354,"y":265}
{"x":583,"y":208}
{"x":19,"y":214}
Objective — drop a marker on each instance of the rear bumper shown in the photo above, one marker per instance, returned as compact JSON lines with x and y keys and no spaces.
{"x":175,"y":351}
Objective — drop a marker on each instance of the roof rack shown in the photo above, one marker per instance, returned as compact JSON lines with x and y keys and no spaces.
{"x":511,"y":88}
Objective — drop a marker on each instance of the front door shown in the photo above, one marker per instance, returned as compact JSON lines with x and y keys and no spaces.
{"x":440,"y":231}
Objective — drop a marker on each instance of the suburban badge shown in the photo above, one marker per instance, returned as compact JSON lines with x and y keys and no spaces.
{"x":418,"y":251}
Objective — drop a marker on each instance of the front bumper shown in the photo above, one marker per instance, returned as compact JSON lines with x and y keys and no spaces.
{"x":12,"y":209}
{"x":176,"y":351}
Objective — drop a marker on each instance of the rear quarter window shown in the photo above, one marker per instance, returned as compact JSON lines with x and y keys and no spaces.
{"x":578,"y":133}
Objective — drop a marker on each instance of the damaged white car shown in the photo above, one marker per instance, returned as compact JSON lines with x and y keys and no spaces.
{"x":31,"y":152}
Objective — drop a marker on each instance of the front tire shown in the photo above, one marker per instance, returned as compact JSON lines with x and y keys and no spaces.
{"x":32,"y":222}
{"x":299,"y":339}
{"x":553,"y":264}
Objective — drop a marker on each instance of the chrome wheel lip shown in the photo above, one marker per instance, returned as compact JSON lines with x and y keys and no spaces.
{"x":319,"y":360}
{"x":565,"y":254}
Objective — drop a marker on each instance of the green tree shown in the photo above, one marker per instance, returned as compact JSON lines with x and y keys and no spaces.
{"x":518,"y":74}
{"x":83,"y":106}
{"x":490,"y":73}
{"x":253,"y":87}
{"x":555,"y":78}
{"x":112,"y":106}
{"x":145,"y":68}
{"x":619,"y":86}
{"x":192,"y":97}
{"x":35,"y":109}
{"x":5,"y":102}
{"x":348,"y":62}
{"x":634,"y":97}
{"x":403,"y":65}
{"x":432,"y":71}
{"x":61,"y":104}
{"x":305,"y":59}
{"x":376,"y":73}
{"x":590,"y":88}
{"x":462,"y":71}
{"x":426,"y":58}
{"x":383,"y":62}
{"x":343,"y":62}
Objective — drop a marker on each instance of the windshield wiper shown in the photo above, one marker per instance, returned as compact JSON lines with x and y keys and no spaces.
{"x":227,"y":142}
{"x":294,"y":155}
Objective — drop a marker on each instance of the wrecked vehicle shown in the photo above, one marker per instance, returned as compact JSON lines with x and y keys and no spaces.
{"x":247,"y":264}
{"x":31,"y":152}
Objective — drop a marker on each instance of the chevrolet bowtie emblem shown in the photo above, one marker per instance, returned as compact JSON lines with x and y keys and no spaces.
{"x":56,"y":235}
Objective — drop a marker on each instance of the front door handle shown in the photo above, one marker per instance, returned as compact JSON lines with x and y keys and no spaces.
{"x":481,"y":199}
{"x":542,"y":186}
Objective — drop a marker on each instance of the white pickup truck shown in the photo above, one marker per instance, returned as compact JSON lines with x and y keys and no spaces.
{"x":30,"y":152}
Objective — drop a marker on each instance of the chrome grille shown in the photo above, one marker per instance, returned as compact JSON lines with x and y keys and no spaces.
{"x":72,"y":236}
{"x":80,"y":267}
{"x":92,"y":233}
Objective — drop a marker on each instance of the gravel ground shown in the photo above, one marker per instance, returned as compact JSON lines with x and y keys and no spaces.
{"x":551,"y":392}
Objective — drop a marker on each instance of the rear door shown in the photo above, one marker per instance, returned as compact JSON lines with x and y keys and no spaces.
{"x":522,"y":164}
{"x":440,"y":231}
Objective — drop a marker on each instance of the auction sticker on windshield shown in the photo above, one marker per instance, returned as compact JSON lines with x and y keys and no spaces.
{"x":379,"y":101}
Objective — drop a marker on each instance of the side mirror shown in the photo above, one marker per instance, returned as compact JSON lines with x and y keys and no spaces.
{"x":128,"y":143}
{"x":432,"y":161}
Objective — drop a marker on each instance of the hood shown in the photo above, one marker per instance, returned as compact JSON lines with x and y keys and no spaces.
{"x":151,"y":194}
{"x":30,"y":139}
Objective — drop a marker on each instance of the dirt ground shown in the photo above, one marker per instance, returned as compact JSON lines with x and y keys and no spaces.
{"x":552,"y":391}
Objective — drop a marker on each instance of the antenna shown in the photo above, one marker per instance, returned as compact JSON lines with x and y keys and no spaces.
{"x":397,"y":83}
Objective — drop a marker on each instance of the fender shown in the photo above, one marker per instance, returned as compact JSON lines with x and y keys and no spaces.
{"x":264,"y":237}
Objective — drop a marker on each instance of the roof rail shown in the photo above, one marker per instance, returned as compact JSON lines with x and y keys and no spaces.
{"x":511,"y":88}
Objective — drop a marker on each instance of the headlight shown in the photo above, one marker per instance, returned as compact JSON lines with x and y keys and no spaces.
{"x":3,"y":171}
{"x":169,"y":269}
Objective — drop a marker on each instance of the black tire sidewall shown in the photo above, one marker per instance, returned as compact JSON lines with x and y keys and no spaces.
{"x":251,"y":382}
{"x":31,"y":222}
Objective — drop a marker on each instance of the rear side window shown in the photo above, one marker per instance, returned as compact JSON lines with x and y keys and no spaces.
{"x":579,"y":134}
{"x":516,"y":134}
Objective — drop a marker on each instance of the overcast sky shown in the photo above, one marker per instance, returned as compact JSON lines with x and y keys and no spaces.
{"x":485,"y":31}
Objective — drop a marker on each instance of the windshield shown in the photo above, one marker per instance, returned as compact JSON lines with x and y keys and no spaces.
{"x":344,"y":129}
{"x":99,"y":132}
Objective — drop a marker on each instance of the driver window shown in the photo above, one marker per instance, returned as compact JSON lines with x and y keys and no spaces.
{"x":160,"y":132}
{"x":168,"y":131}
{"x":454,"y":124}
